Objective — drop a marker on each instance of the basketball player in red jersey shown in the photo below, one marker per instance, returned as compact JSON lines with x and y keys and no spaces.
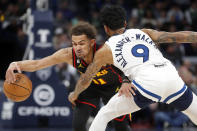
{"x":104,"y":85}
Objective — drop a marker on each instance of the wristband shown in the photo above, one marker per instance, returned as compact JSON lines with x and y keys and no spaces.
{"x":126,"y":81}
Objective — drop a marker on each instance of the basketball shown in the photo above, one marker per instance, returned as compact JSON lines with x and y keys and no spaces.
{"x":20,"y":90}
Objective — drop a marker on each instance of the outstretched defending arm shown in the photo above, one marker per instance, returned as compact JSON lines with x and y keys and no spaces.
{"x":102,"y":57}
{"x":172,"y":37}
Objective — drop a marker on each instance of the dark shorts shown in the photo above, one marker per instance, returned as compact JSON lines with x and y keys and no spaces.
{"x":181,"y":104}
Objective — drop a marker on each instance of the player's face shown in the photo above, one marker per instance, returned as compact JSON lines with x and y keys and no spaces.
{"x":82,"y":45}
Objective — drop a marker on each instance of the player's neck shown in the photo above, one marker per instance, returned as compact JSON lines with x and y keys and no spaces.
{"x":118,"y":31}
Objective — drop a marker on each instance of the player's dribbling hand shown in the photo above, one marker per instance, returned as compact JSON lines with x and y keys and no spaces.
{"x":126,"y":89}
{"x":72,"y":97}
{"x":10,"y":76}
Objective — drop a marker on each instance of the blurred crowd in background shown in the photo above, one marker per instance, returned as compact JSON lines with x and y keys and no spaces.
{"x":163,"y":15}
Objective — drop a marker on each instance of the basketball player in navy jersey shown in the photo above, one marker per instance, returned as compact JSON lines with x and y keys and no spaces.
{"x":135,"y":52}
{"x":104,"y":85}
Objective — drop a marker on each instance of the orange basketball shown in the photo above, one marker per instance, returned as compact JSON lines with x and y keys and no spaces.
{"x":20,"y":90}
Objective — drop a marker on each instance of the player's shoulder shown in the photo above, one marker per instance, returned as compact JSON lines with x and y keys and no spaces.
{"x":62,"y":55}
{"x":126,"y":32}
{"x":105,"y":48}
{"x":104,"y":55}
{"x":134,"y":30}
{"x":66,"y":51}
{"x":113,"y":38}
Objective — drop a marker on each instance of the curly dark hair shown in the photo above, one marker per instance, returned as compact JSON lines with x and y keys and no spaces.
{"x":113,"y":16}
{"x":84,"y":28}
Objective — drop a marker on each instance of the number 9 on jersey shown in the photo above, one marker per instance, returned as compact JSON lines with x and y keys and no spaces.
{"x":144,"y":54}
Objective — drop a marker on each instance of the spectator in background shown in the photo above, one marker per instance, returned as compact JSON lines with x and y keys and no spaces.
{"x":167,"y":116}
{"x":60,"y":21}
{"x":13,"y":43}
{"x":134,"y":19}
{"x":161,"y":18}
{"x":61,"y":39}
{"x":95,"y":19}
{"x":12,"y":38}
{"x":186,"y":74}
{"x":148,"y":18}
{"x":67,"y":12}
{"x":137,"y":14}
{"x":175,"y":14}
{"x":173,"y":52}
{"x":22,"y":40}
{"x":3,"y":5}
{"x":67,"y":74}
{"x":190,"y":49}
{"x":191,"y":13}
{"x":182,"y":3}
{"x":158,"y":7}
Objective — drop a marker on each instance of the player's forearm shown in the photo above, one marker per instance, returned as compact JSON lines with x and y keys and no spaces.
{"x":85,"y":79}
{"x":177,"y":37}
{"x":29,"y":65}
{"x":82,"y":85}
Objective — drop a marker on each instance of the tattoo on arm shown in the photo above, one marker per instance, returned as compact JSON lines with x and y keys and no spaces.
{"x":177,"y":37}
{"x":102,"y":57}
{"x":86,"y":78}
{"x":192,"y":37}
{"x":166,"y":38}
